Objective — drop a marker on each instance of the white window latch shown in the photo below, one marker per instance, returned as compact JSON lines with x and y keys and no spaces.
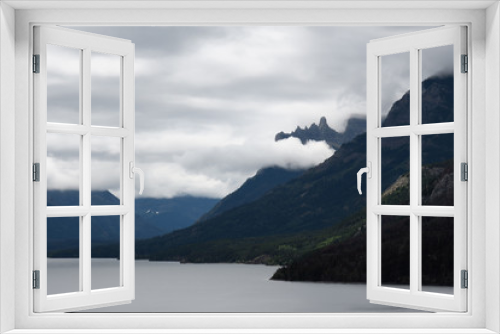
{"x":368,"y":171}
{"x":132,"y":171}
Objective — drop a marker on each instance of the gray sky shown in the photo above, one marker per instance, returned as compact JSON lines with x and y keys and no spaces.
{"x":209,"y":101}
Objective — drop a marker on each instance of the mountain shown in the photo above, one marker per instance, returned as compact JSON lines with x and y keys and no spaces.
{"x":63,"y":232}
{"x":153,"y":217}
{"x":323,"y":131}
{"x":345,"y":259}
{"x":174,"y":213}
{"x":264,"y":180}
{"x":437,"y":103}
{"x":317,"y":209}
{"x":320,"y":198}
{"x":355,"y":126}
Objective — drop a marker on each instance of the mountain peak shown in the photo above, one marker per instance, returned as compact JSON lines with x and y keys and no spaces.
{"x":323,"y":132}
{"x":323,"y":125}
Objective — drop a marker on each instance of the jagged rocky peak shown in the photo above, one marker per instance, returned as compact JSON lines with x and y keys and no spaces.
{"x":323,"y":132}
{"x":323,"y":125}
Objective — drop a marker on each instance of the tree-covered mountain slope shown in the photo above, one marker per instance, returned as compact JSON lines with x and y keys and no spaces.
{"x":344,"y":260}
{"x":264,"y":180}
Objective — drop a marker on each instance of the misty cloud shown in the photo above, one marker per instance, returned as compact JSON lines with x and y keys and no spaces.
{"x":215,"y":171}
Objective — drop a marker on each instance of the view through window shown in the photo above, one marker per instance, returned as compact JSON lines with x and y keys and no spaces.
{"x":250,"y":139}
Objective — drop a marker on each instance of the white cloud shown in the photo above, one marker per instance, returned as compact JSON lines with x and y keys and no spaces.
{"x":218,"y":170}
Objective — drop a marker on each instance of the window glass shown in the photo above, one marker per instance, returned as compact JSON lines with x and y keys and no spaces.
{"x":437,"y":170}
{"x":63,"y":169}
{"x":106,"y":75}
{"x":63,"y":255}
{"x":437,"y":85}
{"x":106,"y":170}
{"x":437,"y":254}
{"x":395,"y":231}
{"x":105,"y":260}
{"x":395,"y":89}
{"x":395,"y":170}
{"x":63,"y":84}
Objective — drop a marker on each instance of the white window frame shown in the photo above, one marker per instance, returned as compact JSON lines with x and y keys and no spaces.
{"x":16,"y":128}
{"x":412,"y":44}
{"x":86,"y":44}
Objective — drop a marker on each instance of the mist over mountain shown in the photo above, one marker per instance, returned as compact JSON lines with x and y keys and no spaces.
{"x":320,"y":198}
{"x":323,"y":132}
{"x":270,"y":177}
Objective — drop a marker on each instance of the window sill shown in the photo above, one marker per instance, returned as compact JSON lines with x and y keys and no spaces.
{"x":252,"y":331}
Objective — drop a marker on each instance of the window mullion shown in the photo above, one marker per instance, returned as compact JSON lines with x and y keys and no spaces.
{"x":85,"y":241}
{"x":414,"y":171}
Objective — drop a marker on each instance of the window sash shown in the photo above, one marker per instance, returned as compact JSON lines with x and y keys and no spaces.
{"x":85,"y":297}
{"x":414,"y":297}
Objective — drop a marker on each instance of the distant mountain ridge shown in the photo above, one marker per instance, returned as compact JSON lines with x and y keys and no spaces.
{"x":153,"y":217}
{"x":170,"y":214}
{"x":323,"y":132}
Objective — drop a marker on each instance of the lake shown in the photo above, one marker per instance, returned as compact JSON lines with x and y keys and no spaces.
{"x":175,"y":287}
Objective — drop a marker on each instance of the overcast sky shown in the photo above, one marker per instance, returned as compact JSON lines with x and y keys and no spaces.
{"x":209,"y":101}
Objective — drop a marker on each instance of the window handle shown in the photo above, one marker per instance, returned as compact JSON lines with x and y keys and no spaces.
{"x":133,"y":170}
{"x":368,"y":171}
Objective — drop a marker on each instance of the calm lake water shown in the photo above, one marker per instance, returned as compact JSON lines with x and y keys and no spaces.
{"x":175,"y":287}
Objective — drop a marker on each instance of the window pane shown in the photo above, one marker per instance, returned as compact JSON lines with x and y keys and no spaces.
{"x":106,"y":170}
{"x":395,"y":171}
{"x":395,"y":251}
{"x":437,"y":170}
{"x":63,"y":240}
{"x":105,"y":252}
{"x":63,"y":84}
{"x":437,"y":254}
{"x":106,"y":75}
{"x":63,"y":169}
{"x":437,"y":84}
{"x":395,"y":89}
